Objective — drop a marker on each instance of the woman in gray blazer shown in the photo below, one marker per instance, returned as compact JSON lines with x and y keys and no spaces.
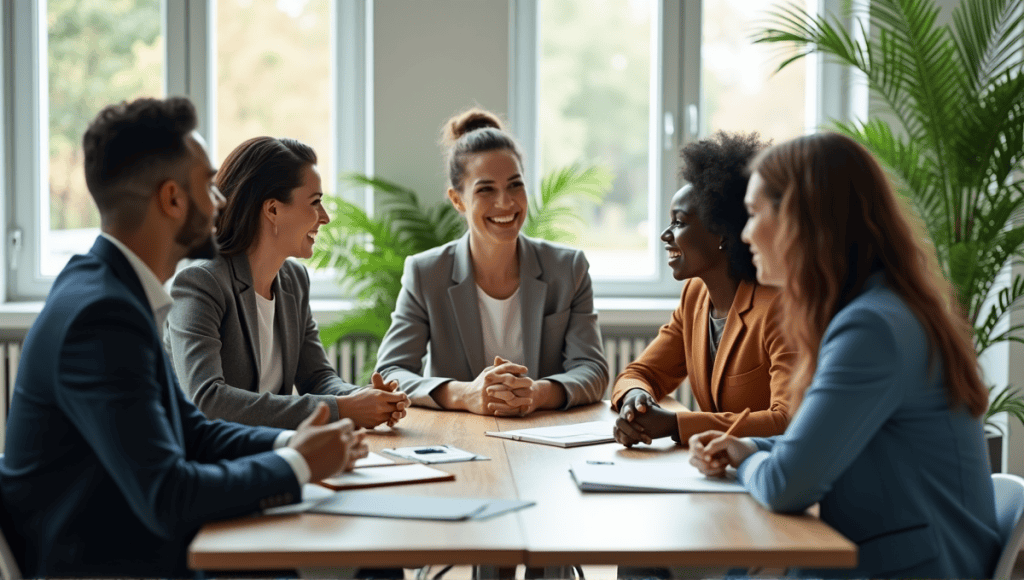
{"x":240,"y":332}
{"x":507,"y":323}
{"x":887,"y":437}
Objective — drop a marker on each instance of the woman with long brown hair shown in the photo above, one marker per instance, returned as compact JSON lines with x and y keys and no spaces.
{"x":887,"y":435}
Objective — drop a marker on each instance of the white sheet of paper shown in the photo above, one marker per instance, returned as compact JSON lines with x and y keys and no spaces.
{"x":575,"y":435}
{"x":654,"y":476}
{"x":373,"y":460}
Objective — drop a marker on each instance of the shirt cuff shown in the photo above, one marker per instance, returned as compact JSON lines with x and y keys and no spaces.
{"x":297,"y":463}
{"x":283,"y":439}
{"x":746,"y":469}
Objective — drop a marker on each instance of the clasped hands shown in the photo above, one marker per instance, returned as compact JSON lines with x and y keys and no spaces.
{"x":504,"y":390}
{"x":641,"y":420}
{"x":379,"y":403}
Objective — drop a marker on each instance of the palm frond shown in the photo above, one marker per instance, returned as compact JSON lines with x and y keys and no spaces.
{"x":554,"y":213}
{"x":988,"y":34}
{"x":1009,"y":401}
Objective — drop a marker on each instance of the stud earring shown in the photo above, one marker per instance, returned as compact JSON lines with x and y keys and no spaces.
{"x":721,"y":246}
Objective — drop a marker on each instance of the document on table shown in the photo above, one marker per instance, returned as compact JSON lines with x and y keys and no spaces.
{"x":434,"y":454}
{"x":413,"y":507}
{"x":654,"y":476}
{"x":363,"y":477}
{"x":311,"y":495}
{"x":574,"y":435}
{"x":373,"y":460}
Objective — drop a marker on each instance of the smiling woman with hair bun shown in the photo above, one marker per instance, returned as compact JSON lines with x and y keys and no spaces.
{"x":508,"y":321}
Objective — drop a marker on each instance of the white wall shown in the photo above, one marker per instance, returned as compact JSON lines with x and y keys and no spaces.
{"x":432,"y":60}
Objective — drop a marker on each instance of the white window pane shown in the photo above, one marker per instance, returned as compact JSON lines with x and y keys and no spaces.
{"x":274,"y":75}
{"x":97,"y":53}
{"x":741,"y":93}
{"x":594,"y":107}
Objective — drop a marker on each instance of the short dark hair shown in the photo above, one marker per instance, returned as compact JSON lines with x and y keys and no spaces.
{"x":259,"y":169}
{"x":470,"y":132}
{"x":130,"y":149}
{"x":718,"y":169}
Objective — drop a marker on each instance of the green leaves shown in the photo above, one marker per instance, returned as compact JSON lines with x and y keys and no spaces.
{"x":956,"y":93}
{"x":554,"y":214}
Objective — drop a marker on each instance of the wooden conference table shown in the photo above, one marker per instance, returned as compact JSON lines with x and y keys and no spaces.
{"x":566,"y":527}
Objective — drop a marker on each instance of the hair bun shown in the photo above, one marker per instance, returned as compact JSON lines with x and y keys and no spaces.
{"x":467,"y":122}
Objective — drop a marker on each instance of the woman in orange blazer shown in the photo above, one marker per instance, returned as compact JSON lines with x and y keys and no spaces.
{"x":725,"y":335}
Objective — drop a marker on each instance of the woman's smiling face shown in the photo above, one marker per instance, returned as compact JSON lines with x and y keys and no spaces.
{"x":492,"y":197}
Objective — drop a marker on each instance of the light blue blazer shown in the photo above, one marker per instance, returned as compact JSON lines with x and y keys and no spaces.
{"x":896,"y":470}
{"x":437,"y":311}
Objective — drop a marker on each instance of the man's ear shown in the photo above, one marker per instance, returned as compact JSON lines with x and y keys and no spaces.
{"x":172,"y":200}
{"x":456,"y":200}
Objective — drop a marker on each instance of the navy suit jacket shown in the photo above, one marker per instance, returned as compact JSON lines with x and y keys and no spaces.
{"x":109,"y":469}
{"x":896,"y":470}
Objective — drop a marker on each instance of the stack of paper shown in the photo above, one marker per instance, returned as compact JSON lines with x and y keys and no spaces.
{"x":574,"y":435}
{"x":415,"y":507}
{"x":363,"y":477}
{"x":650,"y":476}
{"x":434,"y":454}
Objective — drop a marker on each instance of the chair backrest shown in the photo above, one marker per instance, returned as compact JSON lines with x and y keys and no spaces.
{"x":1009,"y":490}
{"x":8,"y":565}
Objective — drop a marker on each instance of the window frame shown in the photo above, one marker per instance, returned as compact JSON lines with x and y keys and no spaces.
{"x":676,"y":70}
{"x":189,"y":28}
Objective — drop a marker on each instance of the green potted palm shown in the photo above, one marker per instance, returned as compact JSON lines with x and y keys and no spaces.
{"x":954,"y":144}
{"x":368,"y":252}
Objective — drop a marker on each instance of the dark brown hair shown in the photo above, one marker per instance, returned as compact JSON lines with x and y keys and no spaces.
{"x":839,"y":222}
{"x":470,"y":132}
{"x":259,"y":169}
{"x":130,"y":149}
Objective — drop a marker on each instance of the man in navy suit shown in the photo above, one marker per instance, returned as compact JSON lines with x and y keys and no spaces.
{"x":109,"y":469}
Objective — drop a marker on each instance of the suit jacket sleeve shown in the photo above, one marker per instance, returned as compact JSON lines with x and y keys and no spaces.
{"x":194,"y":341}
{"x":661,"y":368}
{"x":110,"y":389}
{"x":586,"y":372}
{"x":853,"y":393}
{"x":761,"y":423}
{"x":403,"y":347}
{"x":314,"y":374}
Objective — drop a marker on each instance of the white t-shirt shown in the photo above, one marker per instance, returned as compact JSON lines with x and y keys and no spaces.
{"x":502,"y":324}
{"x":271,"y":373}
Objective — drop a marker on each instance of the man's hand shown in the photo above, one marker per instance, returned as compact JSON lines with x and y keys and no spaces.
{"x":370,"y":407}
{"x":641,"y":420}
{"x":712,"y":451}
{"x":328,"y":448}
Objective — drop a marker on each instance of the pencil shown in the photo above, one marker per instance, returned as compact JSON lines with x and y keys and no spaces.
{"x":737,"y":422}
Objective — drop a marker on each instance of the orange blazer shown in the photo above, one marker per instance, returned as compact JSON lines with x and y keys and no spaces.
{"x":752,"y":367}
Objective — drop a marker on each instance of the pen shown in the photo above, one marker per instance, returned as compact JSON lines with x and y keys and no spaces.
{"x":737,"y":422}
{"x":600,"y":463}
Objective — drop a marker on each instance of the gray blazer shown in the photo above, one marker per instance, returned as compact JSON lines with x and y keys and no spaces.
{"x":213,"y":342}
{"x":437,"y":311}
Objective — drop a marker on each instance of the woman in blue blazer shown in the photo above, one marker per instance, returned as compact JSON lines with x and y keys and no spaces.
{"x":887,"y":436}
{"x":508,"y":321}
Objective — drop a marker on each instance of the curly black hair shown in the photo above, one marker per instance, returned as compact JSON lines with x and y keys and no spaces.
{"x":718,"y":169}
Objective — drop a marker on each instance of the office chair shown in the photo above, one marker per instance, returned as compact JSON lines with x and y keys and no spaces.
{"x":8,"y":565}
{"x":1009,"y":490}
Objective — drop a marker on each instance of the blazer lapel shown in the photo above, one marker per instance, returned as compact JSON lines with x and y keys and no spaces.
{"x":532,"y":292}
{"x":735,"y":328}
{"x":246,"y":292}
{"x":286,"y":325}
{"x":701,"y":383}
{"x":467,"y":312}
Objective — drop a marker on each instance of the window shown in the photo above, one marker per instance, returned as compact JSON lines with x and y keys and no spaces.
{"x":625,"y":83}
{"x":96,"y":53}
{"x":252,"y":67}
{"x":273,"y":71}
